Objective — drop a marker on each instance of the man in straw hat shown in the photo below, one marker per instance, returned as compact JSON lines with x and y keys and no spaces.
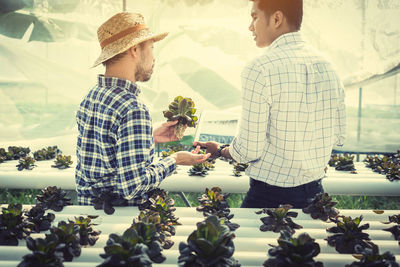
{"x":115,"y":146}
{"x":293,"y":111}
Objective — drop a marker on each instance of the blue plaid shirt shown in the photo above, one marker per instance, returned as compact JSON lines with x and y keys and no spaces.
{"x":115,"y":146}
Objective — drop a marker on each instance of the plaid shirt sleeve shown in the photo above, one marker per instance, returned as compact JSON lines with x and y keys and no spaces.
{"x":249,"y":144}
{"x":340,"y":127}
{"x":135,"y":147}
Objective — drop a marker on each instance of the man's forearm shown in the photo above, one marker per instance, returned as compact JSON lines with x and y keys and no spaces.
{"x":225,"y":153}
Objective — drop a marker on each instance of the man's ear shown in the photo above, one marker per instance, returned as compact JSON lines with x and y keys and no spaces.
{"x":277,"y":18}
{"x":133,"y":51}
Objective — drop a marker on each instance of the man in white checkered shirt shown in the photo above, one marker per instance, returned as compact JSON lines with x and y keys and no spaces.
{"x":293,"y":111}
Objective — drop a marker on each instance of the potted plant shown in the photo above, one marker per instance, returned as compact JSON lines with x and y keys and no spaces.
{"x":368,"y":255}
{"x":321,"y":207}
{"x":53,"y":198}
{"x":138,"y":246}
{"x":238,"y":168}
{"x":345,"y":163}
{"x":293,"y":251}
{"x":87,"y":236}
{"x":62,"y":162}
{"x":210,"y":245}
{"x":181,"y":109}
{"x":213,"y":202}
{"x":13,"y":225}
{"x":279,"y":219}
{"x":105,"y":199}
{"x":45,"y":252}
{"x":347,"y":233}
{"x":16,"y":152}
{"x":36,"y":216}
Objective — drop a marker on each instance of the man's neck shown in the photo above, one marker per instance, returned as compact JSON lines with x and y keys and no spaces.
{"x":120,"y":71}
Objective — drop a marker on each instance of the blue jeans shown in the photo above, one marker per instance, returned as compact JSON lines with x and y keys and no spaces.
{"x":262,"y":195}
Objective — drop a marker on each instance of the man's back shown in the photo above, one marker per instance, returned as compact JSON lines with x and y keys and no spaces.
{"x":304,"y":108}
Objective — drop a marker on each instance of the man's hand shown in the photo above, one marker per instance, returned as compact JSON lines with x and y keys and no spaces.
{"x":165,"y":133}
{"x":211,"y":147}
{"x":187,"y":158}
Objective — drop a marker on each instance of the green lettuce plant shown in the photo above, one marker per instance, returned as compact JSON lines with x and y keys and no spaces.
{"x":40,"y":222}
{"x":62,"y":162}
{"x":45,"y":252}
{"x":13,"y":226}
{"x":279,"y":219}
{"x":294,"y":252}
{"x":53,"y":198}
{"x":46,"y":153}
{"x":213,"y":202}
{"x":27,"y":163}
{"x":322,"y":207}
{"x":347,"y":234}
{"x":67,"y":237}
{"x":369,"y":256}
{"x":105,"y":199}
{"x":210,"y":245}
{"x":181,"y":109}
{"x":138,"y":246}
{"x":87,"y":235}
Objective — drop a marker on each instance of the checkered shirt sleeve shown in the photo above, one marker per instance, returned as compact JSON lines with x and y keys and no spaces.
{"x":293,"y":113}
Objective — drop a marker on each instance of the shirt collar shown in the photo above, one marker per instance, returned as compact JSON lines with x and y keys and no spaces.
{"x":287,"y":39}
{"x":118,"y":82}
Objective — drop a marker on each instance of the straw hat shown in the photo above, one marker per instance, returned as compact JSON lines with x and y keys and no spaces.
{"x":122,"y":31}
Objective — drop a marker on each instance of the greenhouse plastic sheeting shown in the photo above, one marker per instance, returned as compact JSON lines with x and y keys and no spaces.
{"x":251,"y":245}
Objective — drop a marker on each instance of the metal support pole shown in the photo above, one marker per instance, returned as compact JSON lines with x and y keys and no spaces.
{"x":183,"y":197}
{"x":123,"y":5}
{"x":359,"y":115}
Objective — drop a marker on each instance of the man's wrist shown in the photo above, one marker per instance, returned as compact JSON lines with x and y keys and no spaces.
{"x":219,"y":150}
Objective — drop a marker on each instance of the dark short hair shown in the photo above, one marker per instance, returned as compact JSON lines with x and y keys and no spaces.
{"x":291,"y":9}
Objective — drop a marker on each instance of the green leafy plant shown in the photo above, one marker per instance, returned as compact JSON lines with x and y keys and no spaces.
{"x":368,"y":255}
{"x":181,"y":109}
{"x":347,"y":233}
{"x":67,"y":239}
{"x":53,"y":198}
{"x":292,"y":251}
{"x":279,"y":219}
{"x":345,"y":163}
{"x":14,"y":152}
{"x":238,"y":168}
{"x":87,"y":236}
{"x":40,"y":221}
{"x":159,"y":202}
{"x":138,"y":246}
{"x":26,"y":163}
{"x":200,"y":169}
{"x":13,"y":225}
{"x":395,"y":230}
{"x":333,"y":160}
{"x":322,"y":207}
{"x":164,"y":229}
{"x":62,"y":162}
{"x":46,"y":153}
{"x":105,"y":199}
{"x":45,"y":252}
{"x":213,"y":202}
{"x":388,"y":165}
{"x":210,"y":245}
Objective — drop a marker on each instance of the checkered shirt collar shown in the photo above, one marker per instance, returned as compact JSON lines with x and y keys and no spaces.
{"x":286,"y":39}
{"x":118,"y":82}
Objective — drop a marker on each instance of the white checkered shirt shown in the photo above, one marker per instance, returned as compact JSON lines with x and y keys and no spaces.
{"x":293,"y":113}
